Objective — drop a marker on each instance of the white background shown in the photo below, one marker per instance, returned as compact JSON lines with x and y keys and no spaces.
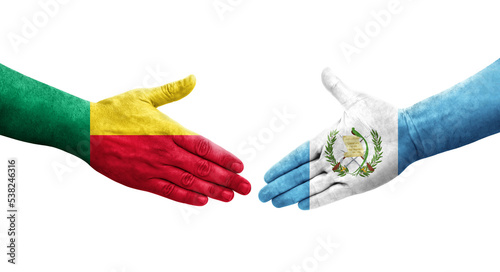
{"x":258,"y":58}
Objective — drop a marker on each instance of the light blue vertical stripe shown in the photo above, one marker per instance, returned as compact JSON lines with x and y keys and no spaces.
{"x":288,"y":180}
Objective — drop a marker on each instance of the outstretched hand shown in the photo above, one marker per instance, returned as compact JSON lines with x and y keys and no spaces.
{"x":136,"y":145}
{"x":359,"y":152}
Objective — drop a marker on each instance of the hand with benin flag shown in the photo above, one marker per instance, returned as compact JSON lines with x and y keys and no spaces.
{"x":133,"y":143}
{"x":373,"y":142}
{"x":125,"y":137}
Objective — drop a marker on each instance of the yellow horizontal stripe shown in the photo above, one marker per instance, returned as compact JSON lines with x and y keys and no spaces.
{"x":131,"y":113}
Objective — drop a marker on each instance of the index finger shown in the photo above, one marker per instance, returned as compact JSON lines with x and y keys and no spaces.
{"x":284,"y":183}
{"x":291,"y":161}
{"x":210,"y":151}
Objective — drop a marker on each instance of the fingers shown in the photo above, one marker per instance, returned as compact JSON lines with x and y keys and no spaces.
{"x":333,"y":84}
{"x":212,"y":172}
{"x":171,"y":191}
{"x":171,"y":92}
{"x":290,"y":180}
{"x":300,"y":192}
{"x":190,"y":182}
{"x":284,"y":183}
{"x":208,"y":150}
{"x":334,"y":193}
{"x":293,"y":160}
{"x":292,"y":196}
{"x":307,"y":152}
{"x":323,"y":182}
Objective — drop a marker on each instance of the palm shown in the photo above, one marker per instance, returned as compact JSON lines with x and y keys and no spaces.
{"x":321,"y":171}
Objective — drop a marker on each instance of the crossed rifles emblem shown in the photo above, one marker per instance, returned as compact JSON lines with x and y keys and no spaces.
{"x":357,"y":147}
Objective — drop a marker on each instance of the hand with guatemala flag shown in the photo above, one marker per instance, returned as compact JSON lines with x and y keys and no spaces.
{"x":373,"y":142}
{"x":124,"y":138}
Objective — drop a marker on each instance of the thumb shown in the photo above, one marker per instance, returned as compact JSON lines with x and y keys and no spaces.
{"x":333,"y":84}
{"x":171,"y":92}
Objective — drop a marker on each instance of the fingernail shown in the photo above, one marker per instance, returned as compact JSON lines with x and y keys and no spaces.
{"x":304,"y":205}
{"x":227,"y":195}
{"x":244,"y":188}
{"x":202,"y":200}
{"x":237,"y":167}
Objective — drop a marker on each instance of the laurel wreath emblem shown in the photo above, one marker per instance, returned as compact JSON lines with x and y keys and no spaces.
{"x":367,"y":168}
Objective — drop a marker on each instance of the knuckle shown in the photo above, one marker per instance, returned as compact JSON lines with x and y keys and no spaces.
{"x":167,"y":190}
{"x":211,"y":189}
{"x":167,"y":90}
{"x":203,"y":168}
{"x":325,"y":166}
{"x":226,"y":162}
{"x":187,"y":180}
{"x":343,"y":192}
{"x":203,"y":147}
{"x":229,"y":181}
{"x":172,"y":157}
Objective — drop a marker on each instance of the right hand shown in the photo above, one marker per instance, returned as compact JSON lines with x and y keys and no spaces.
{"x":138,"y":146}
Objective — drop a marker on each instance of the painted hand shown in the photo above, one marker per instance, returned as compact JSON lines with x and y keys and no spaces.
{"x":134,"y":144}
{"x":357,"y":153}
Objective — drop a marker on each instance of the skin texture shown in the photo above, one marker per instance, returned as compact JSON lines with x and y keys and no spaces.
{"x":186,"y":169}
{"x":37,"y":113}
{"x":305,"y":176}
{"x":124,"y":137}
{"x":135,"y":113}
{"x":138,"y":146}
{"x":465,"y":113}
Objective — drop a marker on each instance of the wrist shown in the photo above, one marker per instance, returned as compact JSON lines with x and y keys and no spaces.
{"x":408,"y":141}
{"x":74,"y":128}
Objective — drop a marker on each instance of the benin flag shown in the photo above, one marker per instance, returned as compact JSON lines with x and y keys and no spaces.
{"x":125,"y":137}
{"x":135,"y":144}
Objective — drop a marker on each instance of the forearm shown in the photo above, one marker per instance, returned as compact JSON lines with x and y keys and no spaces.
{"x":463,"y":114}
{"x":34,"y":112}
